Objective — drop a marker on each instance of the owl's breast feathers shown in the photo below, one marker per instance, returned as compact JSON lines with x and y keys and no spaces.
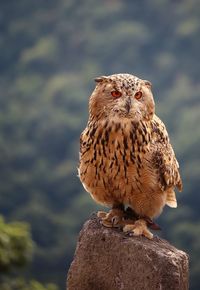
{"x":126,"y":157}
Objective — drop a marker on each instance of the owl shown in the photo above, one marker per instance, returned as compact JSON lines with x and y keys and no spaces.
{"x":126,"y":160}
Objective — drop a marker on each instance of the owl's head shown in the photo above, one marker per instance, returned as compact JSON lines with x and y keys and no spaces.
{"x":122,"y":96}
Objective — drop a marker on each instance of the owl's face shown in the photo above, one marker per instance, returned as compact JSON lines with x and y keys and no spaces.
{"x":122,"y":96}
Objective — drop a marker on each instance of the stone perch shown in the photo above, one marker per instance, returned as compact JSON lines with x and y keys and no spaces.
{"x":108,"y":259}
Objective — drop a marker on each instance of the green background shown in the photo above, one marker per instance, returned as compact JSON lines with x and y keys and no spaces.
{"x":50,"y":53}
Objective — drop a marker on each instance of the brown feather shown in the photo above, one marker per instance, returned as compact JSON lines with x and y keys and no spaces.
{"x":125,"y":153}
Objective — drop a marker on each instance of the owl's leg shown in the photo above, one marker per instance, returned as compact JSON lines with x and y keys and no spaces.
{"x":114,"y":218}
{"x":139,"y":228}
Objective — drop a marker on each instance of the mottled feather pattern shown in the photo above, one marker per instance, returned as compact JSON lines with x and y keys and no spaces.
{"x":125,"y":153}
{"x":164,"y":157}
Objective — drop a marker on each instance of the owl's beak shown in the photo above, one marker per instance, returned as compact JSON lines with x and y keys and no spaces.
{"x":128,"y":105}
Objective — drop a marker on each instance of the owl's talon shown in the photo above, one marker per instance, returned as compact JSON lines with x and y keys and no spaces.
{"x":112,"y":219}
{"x":101,"y":214}
{"x":129,"y":234}
{"x":106,"y":224}
{"x":116,"y":220}
{"x":139,"y":228}
{"x":104,"y":219}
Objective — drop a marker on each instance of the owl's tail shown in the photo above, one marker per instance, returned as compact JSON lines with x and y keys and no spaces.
{"x":171,"y":199}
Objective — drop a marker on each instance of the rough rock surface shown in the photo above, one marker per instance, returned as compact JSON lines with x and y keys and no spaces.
{"x":107,"y":259}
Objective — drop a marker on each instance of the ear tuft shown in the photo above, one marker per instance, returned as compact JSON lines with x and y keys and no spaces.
{"x":100,"y":79}
{"x":148,"y":84}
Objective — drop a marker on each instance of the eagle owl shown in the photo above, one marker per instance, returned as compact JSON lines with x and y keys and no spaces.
{"x":126,"y":160}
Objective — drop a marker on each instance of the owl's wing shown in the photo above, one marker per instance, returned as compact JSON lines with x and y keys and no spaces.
{"x":82,"y":149}
{"x":83,"y":141}
{"x":164,"y":157}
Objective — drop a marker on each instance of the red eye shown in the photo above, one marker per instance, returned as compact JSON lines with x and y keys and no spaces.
{"x":116,"y":94}
{"x":138,"y":95}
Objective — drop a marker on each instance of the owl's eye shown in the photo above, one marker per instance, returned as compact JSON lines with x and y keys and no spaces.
{"x":138,"y":95}
{"x":116,"y":94}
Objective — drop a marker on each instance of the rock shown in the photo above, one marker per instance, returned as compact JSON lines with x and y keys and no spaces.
{"x":108,"y":259}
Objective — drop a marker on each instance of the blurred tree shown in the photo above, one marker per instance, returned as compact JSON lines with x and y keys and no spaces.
{"x":16,"y":249}
{"x":15,"y":245}
{"x":51,"y":51}
{"x":21,"y":284}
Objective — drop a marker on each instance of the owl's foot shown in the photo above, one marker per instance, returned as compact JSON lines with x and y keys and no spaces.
{"x":113,"y":219}
{"x":139,"y":228}
{"x":131,"y":215}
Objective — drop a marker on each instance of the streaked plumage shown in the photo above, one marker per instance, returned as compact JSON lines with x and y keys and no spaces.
{"x":125,"y":154}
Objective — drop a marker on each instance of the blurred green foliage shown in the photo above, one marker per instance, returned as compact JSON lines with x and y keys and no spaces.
{"x":15,"y":245}
{"x":21,"y":284}
{"x":50,"y":53}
